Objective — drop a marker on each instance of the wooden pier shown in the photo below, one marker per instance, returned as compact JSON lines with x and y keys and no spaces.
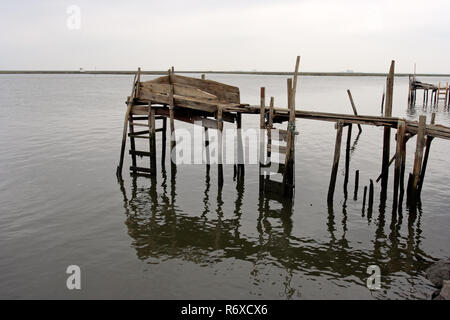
{"x":209,"y":104}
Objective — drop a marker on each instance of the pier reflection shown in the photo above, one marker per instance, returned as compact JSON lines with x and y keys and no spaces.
{"x":161,"y":231}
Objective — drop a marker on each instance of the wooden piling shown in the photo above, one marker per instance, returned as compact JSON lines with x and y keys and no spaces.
{"x":270,"y":127}
{"x":240,"y":147}
{"x":207,"y":155}
{"x":387,"y":130}
{"x":130,"y":101}
{"x":163,"y":141}
{"x":132,"y":144}
{"x":364,"y":199}
{"x":261,"y":135}
{"x":220,"y":143}
{"x":289,"y":175}
{"x":355,"y":193}
{"x":347,"y":158}
{"x":337,"y":153}
{"x":429,"y":139}
{"x":370,"y":206}
{"x":171,"y":115}
{"x":418,"y":156}
{"x":353,"y":107}
{"x":401,"y":129}
{"x":152,"y":138}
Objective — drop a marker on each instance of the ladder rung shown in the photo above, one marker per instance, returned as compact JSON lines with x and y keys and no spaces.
{"x":281,"y":149}
{"x":148,"y":170}
{"x":139,"y":124}
{"x":141,"y":153}
{"x":280,"y":168}
{"x":146,"y":118}
{"x":140,"y":137}
{"x":138,"y":133}
{"x":159,"y":130}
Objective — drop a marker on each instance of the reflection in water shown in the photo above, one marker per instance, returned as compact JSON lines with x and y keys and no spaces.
{"x":161,"y":231}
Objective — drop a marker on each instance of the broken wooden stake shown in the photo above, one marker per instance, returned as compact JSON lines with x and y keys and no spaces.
{"x":418,"y":157}
{"x":355,"y":193}
{"x":353,"y":107}
{"x":337,"y":154}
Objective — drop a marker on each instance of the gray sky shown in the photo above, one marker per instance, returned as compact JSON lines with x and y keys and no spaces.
{"x":227,"y":35}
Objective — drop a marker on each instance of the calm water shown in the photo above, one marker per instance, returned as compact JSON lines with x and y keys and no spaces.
{"x":61,"y":203}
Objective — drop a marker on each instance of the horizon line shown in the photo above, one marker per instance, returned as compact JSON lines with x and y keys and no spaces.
{"x":156,"y":72}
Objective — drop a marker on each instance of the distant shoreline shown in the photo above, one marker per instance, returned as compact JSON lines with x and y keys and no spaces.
{"x":270,"y":73}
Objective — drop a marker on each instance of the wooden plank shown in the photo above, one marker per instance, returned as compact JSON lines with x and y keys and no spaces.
{"x":418,"y":156}
{"x":179,"y":89}
{"x":337,"y":154}
{"x":225,"y":93}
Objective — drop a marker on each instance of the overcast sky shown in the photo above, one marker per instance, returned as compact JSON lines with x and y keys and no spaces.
{"x":226,"y":35}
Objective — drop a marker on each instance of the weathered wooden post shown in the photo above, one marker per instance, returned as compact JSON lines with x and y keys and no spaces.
{"x":364,"y":199}
{"x":220,"y":143}
{"x":354,"y":107}
{"x":125,"y":127}
{"x":289,"y":175}
{"x":207,"y":155}
{"x":171,"y":115}
{"x":401,"y":129}
{"x":371,"y":191}
{"x":387,"y":130}
{"x":347,"y":158}
{"x":355,"y":193}
{"x":152,"y":138}
{"x":418,"y":157}
{"x":337,"y":154}
{"x":425,"y":159}
{"x":262,"y":136}
{"x":163,"y":138}
{"x":240,"y":147}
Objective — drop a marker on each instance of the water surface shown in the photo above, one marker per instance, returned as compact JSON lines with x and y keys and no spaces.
{"x":61,"y":203}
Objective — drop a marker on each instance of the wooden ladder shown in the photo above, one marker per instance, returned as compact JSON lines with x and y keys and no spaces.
{"x":132,"y":121}
{"x":148,"y":123}
{"x":278,"y":141}
{"x":442,"y":93}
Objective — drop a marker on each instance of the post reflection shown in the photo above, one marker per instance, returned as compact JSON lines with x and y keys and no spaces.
{"x":160,"y":230}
